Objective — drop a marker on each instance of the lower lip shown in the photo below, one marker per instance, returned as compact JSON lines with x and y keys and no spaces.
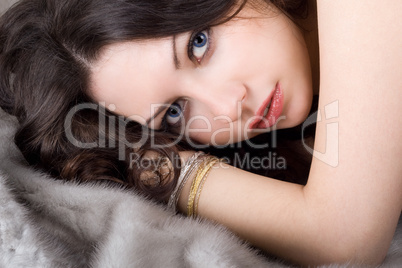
{"x":274,"y":111}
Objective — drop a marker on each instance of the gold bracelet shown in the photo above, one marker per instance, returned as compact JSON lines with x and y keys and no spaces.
{"x":193,"y":189}
{"x":201,"y":174}
{"x":197,"y":198}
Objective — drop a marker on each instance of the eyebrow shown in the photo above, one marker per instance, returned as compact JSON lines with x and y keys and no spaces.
{"x":177,"y":63}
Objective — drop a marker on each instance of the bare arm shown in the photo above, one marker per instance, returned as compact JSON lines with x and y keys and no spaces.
{"x":361,"y":63}
{"x":347,"y":212}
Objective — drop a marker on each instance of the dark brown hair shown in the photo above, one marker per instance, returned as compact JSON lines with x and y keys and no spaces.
{"x":46,"y":50}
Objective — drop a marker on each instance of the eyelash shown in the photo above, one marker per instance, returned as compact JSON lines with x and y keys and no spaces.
{"x":190,"y":46}
{"x":165,"y":126}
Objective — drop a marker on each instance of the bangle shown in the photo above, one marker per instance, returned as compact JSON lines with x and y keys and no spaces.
{"x":196,"y":185}
{"x":210,"y":165}
{"x":185,"y":173}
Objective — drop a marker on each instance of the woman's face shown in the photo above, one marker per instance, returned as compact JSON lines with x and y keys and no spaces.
{"x":219,"y":85}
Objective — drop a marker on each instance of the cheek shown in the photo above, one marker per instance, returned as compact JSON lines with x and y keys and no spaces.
{"x":207,"y":131}
{"x":217,"y":133}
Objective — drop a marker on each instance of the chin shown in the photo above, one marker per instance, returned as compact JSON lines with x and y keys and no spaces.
{"x":296,"y":117}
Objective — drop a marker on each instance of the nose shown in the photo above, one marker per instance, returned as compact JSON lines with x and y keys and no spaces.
{"x":220,"y":99}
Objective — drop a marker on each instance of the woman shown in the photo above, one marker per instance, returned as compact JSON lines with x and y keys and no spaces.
{"x":218,"y":72}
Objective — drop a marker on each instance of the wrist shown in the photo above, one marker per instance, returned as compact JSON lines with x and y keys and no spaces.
{"x":194,"y":172}
{"x":190,"y":162}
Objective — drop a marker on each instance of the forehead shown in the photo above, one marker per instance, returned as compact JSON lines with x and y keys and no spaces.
{"x":130,"y":76}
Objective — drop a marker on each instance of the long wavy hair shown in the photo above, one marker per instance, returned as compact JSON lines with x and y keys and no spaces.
{"x":47,"y":48}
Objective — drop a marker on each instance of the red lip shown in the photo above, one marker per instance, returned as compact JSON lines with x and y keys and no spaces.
{"x":275,"y":110}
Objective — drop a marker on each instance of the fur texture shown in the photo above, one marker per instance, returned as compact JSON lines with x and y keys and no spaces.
{"x":49,"y":223}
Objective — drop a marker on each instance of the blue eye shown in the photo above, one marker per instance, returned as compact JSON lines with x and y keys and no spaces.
{"x":200,"y":39}
{"x":174,"y":114}
{"x":198,"y":46}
